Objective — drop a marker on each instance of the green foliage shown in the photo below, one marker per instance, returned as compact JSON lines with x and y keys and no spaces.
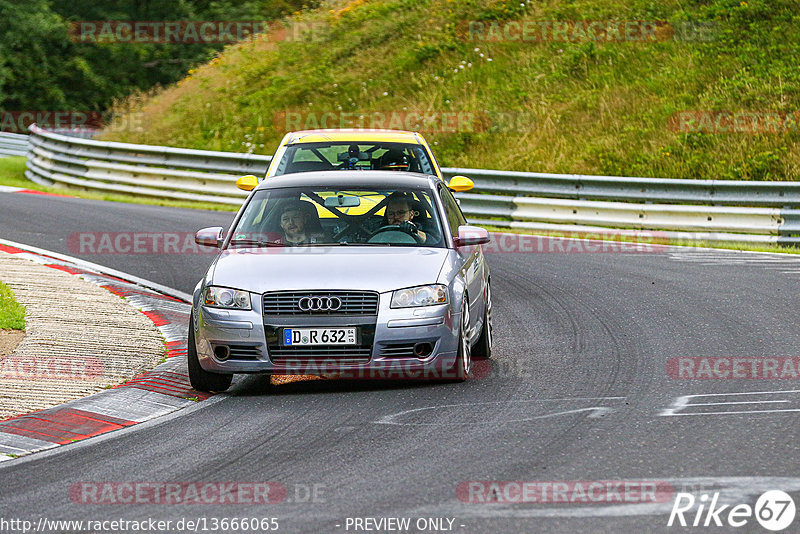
{"x":12,"y":314}
{"x":42,"y":69}
{"x":581,"y":107}
{"x":31,"y":57}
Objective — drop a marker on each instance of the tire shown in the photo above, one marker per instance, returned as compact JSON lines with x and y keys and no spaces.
{"x":463,"y":364}
{"x":483,"y":348}
{"x":201,"y":379}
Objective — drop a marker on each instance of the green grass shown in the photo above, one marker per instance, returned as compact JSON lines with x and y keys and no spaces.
{"x":12,"y":173}
{"x":582,"y":107}
{"x":12,"y":313}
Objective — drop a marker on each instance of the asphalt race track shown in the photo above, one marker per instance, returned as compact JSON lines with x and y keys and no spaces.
{"x":578,"y":391}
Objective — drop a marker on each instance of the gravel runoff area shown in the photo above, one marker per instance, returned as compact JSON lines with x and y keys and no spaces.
{"x":79,"y":339}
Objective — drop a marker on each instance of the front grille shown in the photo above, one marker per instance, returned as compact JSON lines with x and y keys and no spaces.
{"x":397,"y":350}
{"x":288,"y":355}
{"x":353,"y":303}
{"x":281,"y":354}
{"x":244,"y":352}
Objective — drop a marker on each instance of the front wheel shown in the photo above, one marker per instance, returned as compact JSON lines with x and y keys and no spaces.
{"x":201,"y":379}
{"x":463,"y":364}
{"x":483,"y":348}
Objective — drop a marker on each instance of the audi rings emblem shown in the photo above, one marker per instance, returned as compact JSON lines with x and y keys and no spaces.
{"x":309,"y":304}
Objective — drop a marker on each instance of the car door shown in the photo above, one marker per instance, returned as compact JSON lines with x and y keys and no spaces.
{"x":470,"y":258}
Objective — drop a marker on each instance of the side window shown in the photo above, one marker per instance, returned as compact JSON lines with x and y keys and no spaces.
{"x":451,"y":211}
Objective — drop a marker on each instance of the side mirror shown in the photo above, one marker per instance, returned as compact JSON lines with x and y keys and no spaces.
{"x":471,"y":235}
{"x":460,"y":184}
{"x":247,"y":183}
{"x":209,"y":237}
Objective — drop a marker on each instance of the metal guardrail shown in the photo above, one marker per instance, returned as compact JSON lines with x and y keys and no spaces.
{"x":12,"y":144}
{"x":651,"y":190}
{"x":712,"y":210}
{"x":670,"y":221}
{"x":154,"y":171}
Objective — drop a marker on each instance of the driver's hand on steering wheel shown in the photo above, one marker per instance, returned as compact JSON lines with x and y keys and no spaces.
{"x":411,"y":228}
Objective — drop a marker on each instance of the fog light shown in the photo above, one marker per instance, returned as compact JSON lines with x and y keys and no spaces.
{"x":423,"y":350}
{"x":222,"y":352}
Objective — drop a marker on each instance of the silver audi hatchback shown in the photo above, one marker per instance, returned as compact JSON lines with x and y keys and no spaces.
{"x":352,"y":274}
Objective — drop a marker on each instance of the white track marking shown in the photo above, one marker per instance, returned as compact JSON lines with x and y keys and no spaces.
{"x":783,"y":263}
{"x":739,"y":402}
{"x":681,"y":404}
{"x":594,"y":411}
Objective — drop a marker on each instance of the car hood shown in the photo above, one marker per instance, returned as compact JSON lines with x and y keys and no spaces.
{"x":343,"y":267}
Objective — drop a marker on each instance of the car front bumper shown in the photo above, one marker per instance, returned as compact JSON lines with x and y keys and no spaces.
{"x":385,"y":349}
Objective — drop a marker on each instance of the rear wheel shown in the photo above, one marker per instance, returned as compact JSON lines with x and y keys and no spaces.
{"x":483,"y":348}
{"x":201,"y":379}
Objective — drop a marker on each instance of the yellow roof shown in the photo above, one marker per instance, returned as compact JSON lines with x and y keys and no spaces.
{"x":353,"y":134}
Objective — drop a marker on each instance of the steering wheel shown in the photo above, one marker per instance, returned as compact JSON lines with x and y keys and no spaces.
{"x":396,"y":228}
{"x":353,"y":226}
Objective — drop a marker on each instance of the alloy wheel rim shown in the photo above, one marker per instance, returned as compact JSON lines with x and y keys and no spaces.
{"x":489,"y":337}
{"x":466,"y":360}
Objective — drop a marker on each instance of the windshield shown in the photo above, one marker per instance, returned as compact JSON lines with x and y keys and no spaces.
{"x":330,"y":156}
{"x":309,"y":216}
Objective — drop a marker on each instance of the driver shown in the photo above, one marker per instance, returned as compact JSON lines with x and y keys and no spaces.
{"x":399,"y":211}
{"x":394,"y":160}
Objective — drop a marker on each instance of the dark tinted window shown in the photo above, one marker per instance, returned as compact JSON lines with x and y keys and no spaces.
{"x":308,"y":157}
{"x":343,"y":215}
{"x":452,"y":212}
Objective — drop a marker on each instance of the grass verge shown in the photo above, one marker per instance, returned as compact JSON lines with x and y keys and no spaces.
{"x":12,"y":313}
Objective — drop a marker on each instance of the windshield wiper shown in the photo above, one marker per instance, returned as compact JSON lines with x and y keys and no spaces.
{"x":256,"y":242}
{"x":365,"y":244}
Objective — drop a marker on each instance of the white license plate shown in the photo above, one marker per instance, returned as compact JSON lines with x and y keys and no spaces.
{"x":319,"y":336}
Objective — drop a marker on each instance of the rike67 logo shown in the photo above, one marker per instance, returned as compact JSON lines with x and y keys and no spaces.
{"x":774,"y":510}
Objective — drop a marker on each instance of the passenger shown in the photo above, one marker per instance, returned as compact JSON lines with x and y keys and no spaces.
{"x":399,"y":211}
{"x":297,"y":222}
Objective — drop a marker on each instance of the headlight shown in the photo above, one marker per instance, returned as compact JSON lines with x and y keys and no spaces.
{"x":223,"y":297}
{"x":420,"y":296}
